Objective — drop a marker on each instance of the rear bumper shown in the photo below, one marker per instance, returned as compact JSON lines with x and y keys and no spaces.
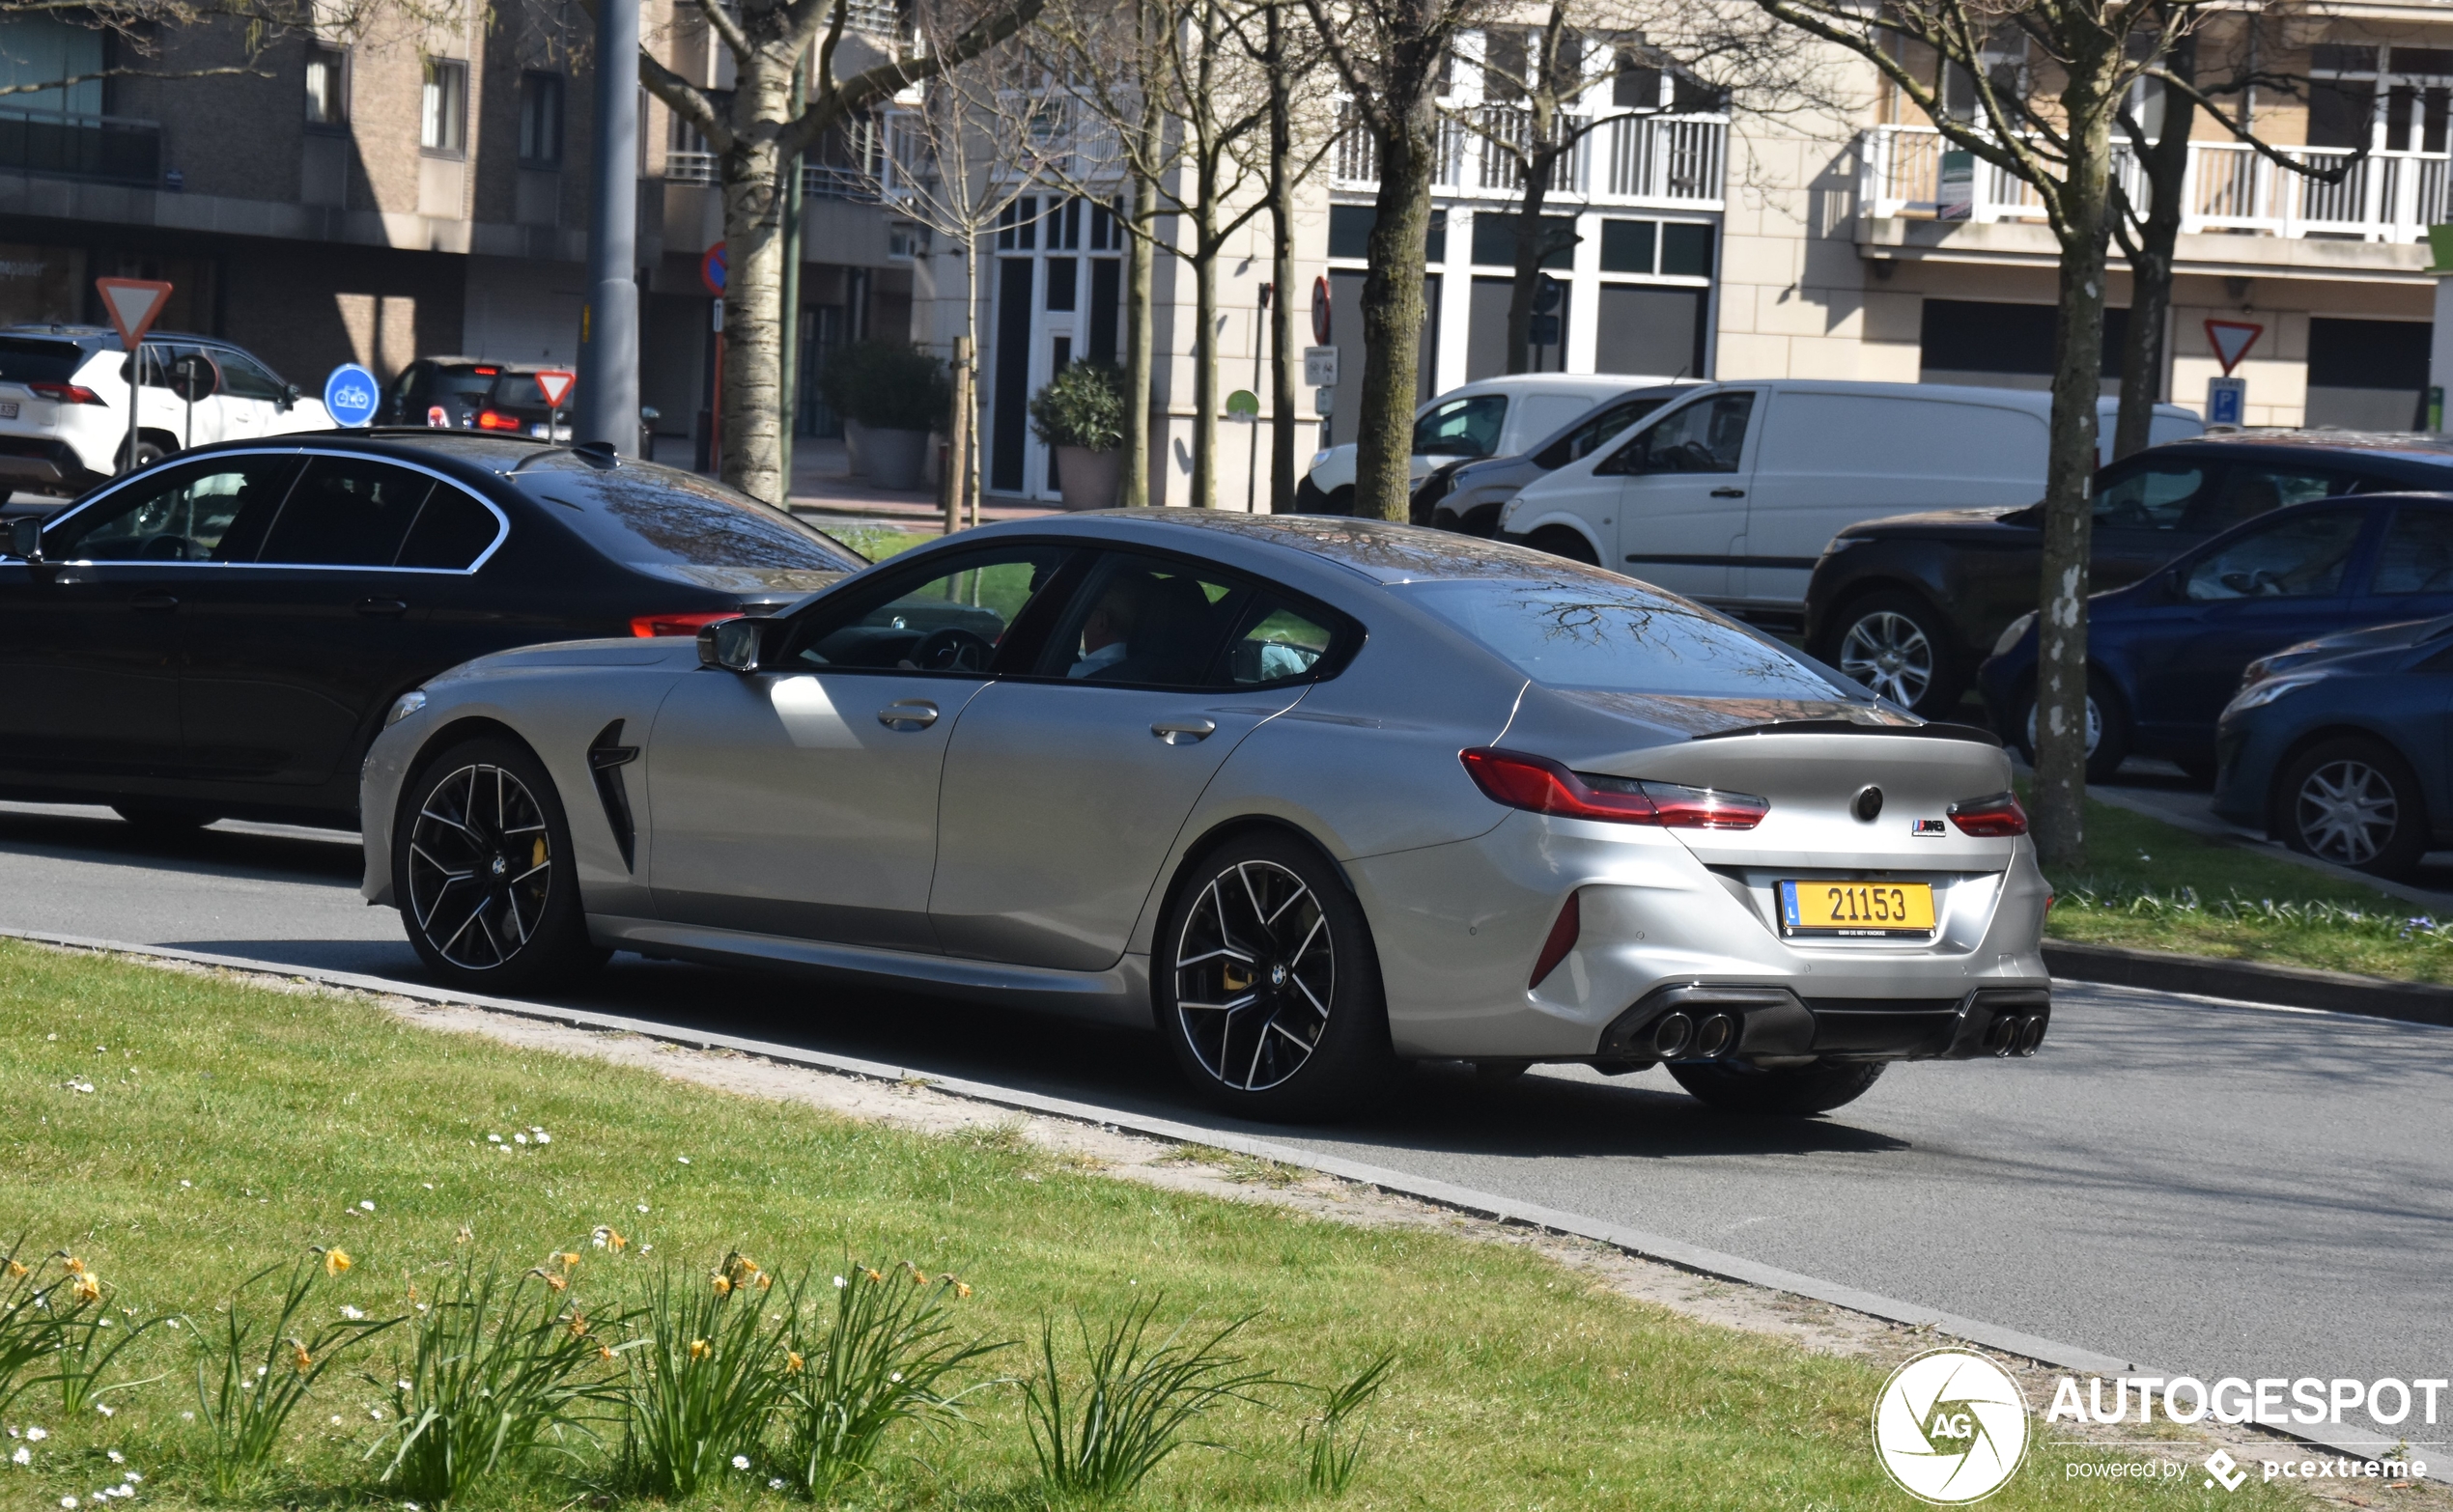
{"x":32,"y":462}
{"x":1773,"y":1025}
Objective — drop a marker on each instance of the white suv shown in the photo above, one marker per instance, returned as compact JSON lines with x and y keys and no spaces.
{"x":1494,"y":417}
{"x":64,"y":404}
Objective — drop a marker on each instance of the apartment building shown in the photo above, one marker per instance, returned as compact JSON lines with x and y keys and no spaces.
{"x":1742,"y":246}
{"x":418,"y":187}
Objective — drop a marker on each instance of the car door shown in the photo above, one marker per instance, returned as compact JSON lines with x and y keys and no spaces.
{"x":92,"y":644}
{"x":802,"y":799}
{"x":1682,"y":499}
{"x":2413,"y":577}
{"x":294,"y":651}
{"x":252,"y":401}
{"x":2237,"y":599}
{"x":2147,"y":511}
{"x":1065,"y":790}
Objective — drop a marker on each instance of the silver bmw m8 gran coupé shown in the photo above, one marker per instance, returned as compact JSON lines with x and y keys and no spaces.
{"x":1312,"y":797}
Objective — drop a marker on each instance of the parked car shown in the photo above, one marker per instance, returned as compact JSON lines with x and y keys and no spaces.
{"x":1495,"y":417}
{"x":1231,"y":774}
{"x":1468,"y":496}
{"x":1730,"y":496}
{"x":516,"y":404}
{"x":2335,"y":746}
{"x":2165,"y":654}
{"x":220,"y":633}
{"x":443,"y":393}
{"x":1911,"y":604}
{"x":64,"y":404}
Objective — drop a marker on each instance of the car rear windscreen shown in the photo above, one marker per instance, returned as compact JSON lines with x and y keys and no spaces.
{"x":23,"y":362}
{"x":649,"y":515}
{"x":517,"y":391}
{"x":1589,"y":634}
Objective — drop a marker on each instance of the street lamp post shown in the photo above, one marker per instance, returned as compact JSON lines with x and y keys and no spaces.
{"x":609,"y":323}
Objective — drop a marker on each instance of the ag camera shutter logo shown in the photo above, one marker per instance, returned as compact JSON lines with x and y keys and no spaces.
{"x":1950,"y":1427}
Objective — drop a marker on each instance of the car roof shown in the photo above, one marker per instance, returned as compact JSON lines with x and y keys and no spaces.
{"x":2409,"y":445}
{"x":1535,"y":382}
{"x":1382,"y":551}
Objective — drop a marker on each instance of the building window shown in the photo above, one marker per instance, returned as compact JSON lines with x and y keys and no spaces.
{"x":1018,"y":225}
{"x":442,"y":121}
{"x":541,"y":120}
{"x":328,"y":86}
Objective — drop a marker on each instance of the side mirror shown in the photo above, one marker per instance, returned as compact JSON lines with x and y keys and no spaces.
{"x":289,"y":395}
{"x":734,"y":645}
{"x":25,"y":539}
{"x":650,"y":413}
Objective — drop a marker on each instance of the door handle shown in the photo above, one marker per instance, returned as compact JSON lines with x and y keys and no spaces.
{"x":383,"y":606}
{"x":153,"y":603}
{"x":1728,"y":493}
{"x":1184,"y":732}
{"x":907,"y":714}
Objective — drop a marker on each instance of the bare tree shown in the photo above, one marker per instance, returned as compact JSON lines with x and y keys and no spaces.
{"x":754,"y":130}
{"x":159,"y":39}
{"x":1389,"y":53}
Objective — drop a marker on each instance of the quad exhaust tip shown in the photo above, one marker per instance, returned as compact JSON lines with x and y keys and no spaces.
{"x":2015,"y":1034}
{"x":1678,"y":1037}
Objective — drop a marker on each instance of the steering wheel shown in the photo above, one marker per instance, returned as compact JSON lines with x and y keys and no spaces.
{"x":168,"y":546}
{"x":953,"y":649}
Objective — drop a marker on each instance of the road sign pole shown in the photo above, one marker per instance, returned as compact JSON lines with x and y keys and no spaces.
{"x":135,"y":394}
{"x":608,"y":323}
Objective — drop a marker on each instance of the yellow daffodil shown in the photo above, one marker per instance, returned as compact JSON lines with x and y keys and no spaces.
{"x":961,"y":1290}
{"x":300,"y":1359}
{"x":605,"y":1352}
{"x":72,"y":1264}
{"x":335,"y":1261}
{"x":17,"y":1268}
{"x":722,"y":1284}
{"x":765,"y":1282}
{"x":579,"y":1325}
{"x":792,"y":1363}
{"x":88,"y":1288}
{"x":556,"y":1282}
{"x":570,"y":1258}
{"x":698,"y":1349}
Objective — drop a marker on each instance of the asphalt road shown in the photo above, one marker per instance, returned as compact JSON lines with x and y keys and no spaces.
{"x":2211,"y":1189}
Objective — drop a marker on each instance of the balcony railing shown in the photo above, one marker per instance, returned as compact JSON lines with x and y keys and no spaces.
{"x":2229,"y":187}
{"x":1657,"y":159}
{"x":108,"y":148}
{"x":690,"y":167}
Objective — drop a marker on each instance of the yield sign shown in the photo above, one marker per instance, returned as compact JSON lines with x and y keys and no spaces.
{"x":134,"y":304}
{"x":2231,"y":339}
{"x":555,"y":382}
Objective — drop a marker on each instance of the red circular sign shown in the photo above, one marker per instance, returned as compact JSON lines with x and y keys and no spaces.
{"x":1320,"y":311}
{"x":711,"y":270}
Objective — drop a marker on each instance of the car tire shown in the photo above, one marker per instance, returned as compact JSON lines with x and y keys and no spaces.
{"x":162,"y":821}
{"x":1559,"y":541}
{"x":1783,"y":1092}
{"x":2110,"y":745}
{"x":1341,"y":501}
{"x":147,"y":452}
{"x":483,"y":872}
{"x":1267,"y":986}
{"x":1900,"y":648}
{"x":2356,"y":803}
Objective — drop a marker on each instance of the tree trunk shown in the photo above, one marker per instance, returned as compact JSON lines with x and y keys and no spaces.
{"x":1204,"y":262}
{"x":1138,"y":342}
{"x":1532,"y":247}
{"x":953,"y":483}
{"x":753,"y":313}
{"x":2077,"y":383}
{"x":1281,"y":312}
{"x":1392,"y":316}
{"x":2166,"y":165}
{"x":788,"y":406}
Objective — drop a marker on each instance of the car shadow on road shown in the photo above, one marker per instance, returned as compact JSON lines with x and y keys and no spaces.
{"x":212,"y":851}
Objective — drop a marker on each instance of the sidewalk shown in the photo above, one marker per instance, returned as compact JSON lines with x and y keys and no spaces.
{"x":2177,"y":801}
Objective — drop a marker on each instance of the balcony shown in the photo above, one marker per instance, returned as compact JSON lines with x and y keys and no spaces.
{"x":105,"y":148}
{"x":2390,"y":197}
{"x":1657,"y":160}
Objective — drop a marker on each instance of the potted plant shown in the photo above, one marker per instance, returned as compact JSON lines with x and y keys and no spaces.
{"x":890,"y":394}
{"x":1081,"y":413}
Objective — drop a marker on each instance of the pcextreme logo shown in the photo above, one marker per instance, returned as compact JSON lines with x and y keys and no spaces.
{"x":1950,"y":1427}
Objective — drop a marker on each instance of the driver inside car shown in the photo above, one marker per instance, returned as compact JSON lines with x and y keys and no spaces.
{"x":1108,"y":630}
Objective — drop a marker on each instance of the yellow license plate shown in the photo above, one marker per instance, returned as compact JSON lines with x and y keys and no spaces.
{"x":1856,"y":909}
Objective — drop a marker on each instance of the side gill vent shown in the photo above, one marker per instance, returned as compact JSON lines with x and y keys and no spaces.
{"x":607,"y":757}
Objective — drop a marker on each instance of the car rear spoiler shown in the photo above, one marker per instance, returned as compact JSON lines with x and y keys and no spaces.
{"x":1924,"y":731}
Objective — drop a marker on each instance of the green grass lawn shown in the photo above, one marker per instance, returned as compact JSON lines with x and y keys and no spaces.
{"x":2152,"y":886}
{"x":877,"y":543}
{"x":229,"y":1127}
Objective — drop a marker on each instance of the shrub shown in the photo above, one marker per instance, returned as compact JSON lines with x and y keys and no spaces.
{"x":702,"y":1381}
{"x":254,"y":1376}
{"x":1098,"y":1439}
{"x":890,"y":385}
{"x":1083,"y":406}
{"x":492,"y":1370}
{"x":884,"y":1359}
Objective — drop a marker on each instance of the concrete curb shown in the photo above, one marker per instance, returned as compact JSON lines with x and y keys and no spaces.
{"x":2252,"y":982}
{"x":1660,"y":1247}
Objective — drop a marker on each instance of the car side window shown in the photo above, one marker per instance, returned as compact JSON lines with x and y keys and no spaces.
{"x":204,"y":512}
{"x":1579,"y":442}
{"x":1461,"y":427}
{"x":2418,"y":554}
{"x":245,"y":377}
{"x":948,"y":614}
{"x":2303,"y":557}
{"x":2248,"y":491}
{"x":347,"y":512}
{"x":2155,"y":497}
{"x":1145,"y":620}
{"x":1281,"y":641}
{"x":451,"y":532}
{"x":1709,"y":435}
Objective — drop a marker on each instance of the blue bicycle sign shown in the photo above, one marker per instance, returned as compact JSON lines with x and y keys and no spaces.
{"x":350,"y":395}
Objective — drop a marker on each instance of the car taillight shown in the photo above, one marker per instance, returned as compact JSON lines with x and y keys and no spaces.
{"x":1563,"y":934}
{"x":437,"y":417}
{"x":66,"y":393}
{"x":689,"y":624}
{"x":495,"y":420}
{"x":1992,"y":817}
{"x":1542,"y":786}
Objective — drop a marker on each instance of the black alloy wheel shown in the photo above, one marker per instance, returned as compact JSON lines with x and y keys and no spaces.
{"x":2356,"y":803}
{"x":1267,"y":987}
{"x":482,"y":870}
{"x":1783,"y":1092}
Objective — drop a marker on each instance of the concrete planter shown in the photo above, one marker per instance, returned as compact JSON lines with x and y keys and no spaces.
{"x":897,"y":460}
{"x":1088,"y":478}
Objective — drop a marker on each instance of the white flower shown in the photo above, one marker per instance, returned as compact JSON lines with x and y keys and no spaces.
{"x":37,"y":1435}
{"x":374,"y":1412}
{"x":336,"y":1419}
{"x":838,"y":1281}
{"x":117,"y":1458}
{"x":684,"y":1159}
{"x":133,"y":1479}
{"x":106,"y":1409}
{"x":428,"y":1184}
{"x":365,"y":1206}
{"x":69,"y":1502}
{"x":741,"y":1462}
{"x":493,"y":1139}
{"x":23,"y":1456}
{"x":174,"y":1323}
{"x":775,"y":1484}
{"x":896,"y":1378}
{"x":519,"y":1139}
{"x":642,"y":1207}
{"x":542,"y":1137}
{"x":351,"y":1313}
{"x":403,"y":1385}
{"x":644,"y":1249}
{"x":188,"y":1184}
{"x":186,"y":1417}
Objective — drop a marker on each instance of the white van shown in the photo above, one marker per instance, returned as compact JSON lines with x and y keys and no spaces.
{"x":1495,"y":417}
{"x":1729,"y":497}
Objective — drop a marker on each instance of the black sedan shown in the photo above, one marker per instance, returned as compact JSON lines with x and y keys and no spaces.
{"x":1909,"y":605}
{"x":222,"y":633}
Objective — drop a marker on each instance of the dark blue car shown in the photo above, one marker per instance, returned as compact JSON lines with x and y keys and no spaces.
{"x":2337,"y":746}
{"x":2165,"y":654}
